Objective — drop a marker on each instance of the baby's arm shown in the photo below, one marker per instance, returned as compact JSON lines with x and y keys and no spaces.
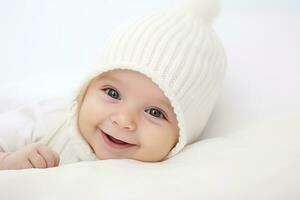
{"x":30,"y":156}
{"x":21,"y":132}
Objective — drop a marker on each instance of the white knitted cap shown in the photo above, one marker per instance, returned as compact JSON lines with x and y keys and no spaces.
{"x":181,"y":53}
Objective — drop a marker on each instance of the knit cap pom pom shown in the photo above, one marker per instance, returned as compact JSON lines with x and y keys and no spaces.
{"x":207,"y":9}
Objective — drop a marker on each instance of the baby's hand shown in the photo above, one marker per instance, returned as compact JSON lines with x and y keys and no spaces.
{"x":31,"y":156}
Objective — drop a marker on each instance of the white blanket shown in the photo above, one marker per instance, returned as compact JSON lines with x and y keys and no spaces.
{"x":261,"y":162}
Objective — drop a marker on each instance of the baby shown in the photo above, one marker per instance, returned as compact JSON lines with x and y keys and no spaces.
{"x":151,"y":94}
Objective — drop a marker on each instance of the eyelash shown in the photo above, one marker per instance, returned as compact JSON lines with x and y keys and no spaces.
{"x":161,"y":113}
{"x":107,"y":90}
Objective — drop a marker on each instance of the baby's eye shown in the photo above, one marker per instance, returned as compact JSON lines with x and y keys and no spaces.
{"x":156,"y":113}
{"x":112,"y":93}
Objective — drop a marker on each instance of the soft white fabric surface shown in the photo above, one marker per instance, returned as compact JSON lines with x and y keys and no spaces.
{"x":51,"y":122}
{"x":261,"y":162}
{"x":244,"y":153}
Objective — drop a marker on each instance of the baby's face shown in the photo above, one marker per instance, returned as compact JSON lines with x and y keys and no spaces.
{"x":125,"y":115}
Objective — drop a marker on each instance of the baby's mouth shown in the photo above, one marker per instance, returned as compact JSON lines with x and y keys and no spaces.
{"x":114,"y":142}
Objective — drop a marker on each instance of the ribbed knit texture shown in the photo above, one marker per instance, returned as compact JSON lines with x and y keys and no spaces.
{"x":61,"y":134}
{"x":181,"y":53}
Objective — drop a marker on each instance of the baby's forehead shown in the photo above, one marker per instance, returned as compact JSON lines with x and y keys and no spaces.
{"x":137,"y":82}
{"x":124,"y":74}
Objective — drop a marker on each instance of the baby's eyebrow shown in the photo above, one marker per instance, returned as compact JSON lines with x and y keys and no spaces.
{"x":103,"y":77}
{"x":166,"y":104}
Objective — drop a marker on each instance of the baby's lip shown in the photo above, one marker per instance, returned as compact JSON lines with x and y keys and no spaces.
{"x":116,"y":137}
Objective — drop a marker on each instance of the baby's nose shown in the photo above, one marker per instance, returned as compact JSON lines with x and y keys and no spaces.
{"x":124,"y":120}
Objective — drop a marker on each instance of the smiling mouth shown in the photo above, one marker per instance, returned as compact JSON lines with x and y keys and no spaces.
{"x":115,"y":143}
{"x":115,"y":140}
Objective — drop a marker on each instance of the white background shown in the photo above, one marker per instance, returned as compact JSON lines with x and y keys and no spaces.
{"x":45,"y":45}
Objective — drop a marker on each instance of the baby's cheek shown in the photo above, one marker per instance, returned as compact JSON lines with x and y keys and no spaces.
{"x":159,"y":142}
{"x":92,"y":113}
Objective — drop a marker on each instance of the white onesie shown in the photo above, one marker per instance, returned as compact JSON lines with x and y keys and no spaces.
{"x":51,"y":122}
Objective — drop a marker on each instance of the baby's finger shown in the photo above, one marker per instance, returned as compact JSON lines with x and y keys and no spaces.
{"x":57,"y":160}
{"x":37,"y":160}
{"x":25,"y":165}
{"x":51,"y":157}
